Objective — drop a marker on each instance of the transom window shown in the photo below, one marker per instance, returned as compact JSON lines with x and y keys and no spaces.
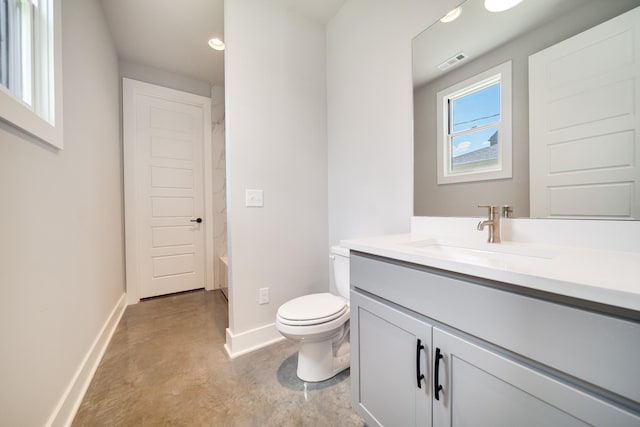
{"x":30,"y":80}
{"x":474,"y":128}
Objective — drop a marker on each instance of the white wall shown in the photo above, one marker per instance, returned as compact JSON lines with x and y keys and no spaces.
{"x":276,"y":141}
{"x":156,"y":76}
{"x":61,"y":249}
{"x":369,"y":97}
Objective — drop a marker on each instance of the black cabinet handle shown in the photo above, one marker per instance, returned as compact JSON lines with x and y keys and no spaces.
{"x":436,"y":383}
{"x":419,"y":375}
{"x":198,"y":220}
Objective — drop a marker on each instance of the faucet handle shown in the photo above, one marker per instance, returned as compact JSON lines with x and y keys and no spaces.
{"x":491,"y":209}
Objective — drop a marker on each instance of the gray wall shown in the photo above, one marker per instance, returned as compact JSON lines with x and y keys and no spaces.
{"x":61,"y":228}
{"x":431,"y":199}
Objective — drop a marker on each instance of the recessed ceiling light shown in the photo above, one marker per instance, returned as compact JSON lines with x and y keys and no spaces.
{"x":451,"y":16}
{"x":500,"y":5}
{"x":216,"y":44}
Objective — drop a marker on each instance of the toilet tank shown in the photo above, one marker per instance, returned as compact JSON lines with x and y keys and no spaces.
{"x":340,"y":260}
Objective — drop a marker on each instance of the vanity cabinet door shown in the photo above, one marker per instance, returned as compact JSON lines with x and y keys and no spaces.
{"x":389,"y":354}
{"x":483,"y":388}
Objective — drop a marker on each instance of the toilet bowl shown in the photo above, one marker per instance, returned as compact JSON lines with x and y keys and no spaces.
{"x":320,"y":323}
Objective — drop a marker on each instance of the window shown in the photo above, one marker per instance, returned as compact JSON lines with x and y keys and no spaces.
{"x":17,"y":47}
{"x":474,"y":128}
{"x":30,"y":69}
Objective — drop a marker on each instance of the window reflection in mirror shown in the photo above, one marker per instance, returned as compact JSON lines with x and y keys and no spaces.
{"x":474,"y":128}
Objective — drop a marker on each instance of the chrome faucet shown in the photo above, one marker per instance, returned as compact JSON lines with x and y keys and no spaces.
{"x":493,"y":222}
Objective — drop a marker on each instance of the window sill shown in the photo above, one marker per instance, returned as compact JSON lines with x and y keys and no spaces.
{"x":21,"y":117}
{"x":476,"y":176}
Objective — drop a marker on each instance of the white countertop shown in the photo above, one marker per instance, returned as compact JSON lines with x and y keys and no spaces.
{"x":607,"y":277}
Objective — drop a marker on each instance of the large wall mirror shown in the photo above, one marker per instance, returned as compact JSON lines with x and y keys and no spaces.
{"x":498,"y":94}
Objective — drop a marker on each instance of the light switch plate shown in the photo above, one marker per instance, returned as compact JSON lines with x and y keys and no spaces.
{"x":263,"y":296}
{"x":254,"y":198}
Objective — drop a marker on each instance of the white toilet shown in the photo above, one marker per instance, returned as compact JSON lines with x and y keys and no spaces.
{"x":320,"y":322}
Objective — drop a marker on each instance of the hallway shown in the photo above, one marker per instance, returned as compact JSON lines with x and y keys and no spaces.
{"x":166,"y":365}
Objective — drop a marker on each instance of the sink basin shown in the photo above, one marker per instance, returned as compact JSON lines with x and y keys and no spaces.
{"x":479,"y":251}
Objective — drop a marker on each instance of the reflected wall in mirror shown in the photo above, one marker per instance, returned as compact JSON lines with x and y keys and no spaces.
{"x":477,"y":41}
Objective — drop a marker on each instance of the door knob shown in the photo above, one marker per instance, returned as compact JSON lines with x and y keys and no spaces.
{"x":198,"y":220}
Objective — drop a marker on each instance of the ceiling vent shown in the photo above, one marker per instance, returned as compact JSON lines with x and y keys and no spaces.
{"x":461,"y":56}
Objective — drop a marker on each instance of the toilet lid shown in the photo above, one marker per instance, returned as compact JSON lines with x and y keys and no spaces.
{"x":314,"y":307}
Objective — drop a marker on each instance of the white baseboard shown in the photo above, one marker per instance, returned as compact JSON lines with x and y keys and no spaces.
{"x":70,"y":401}
{"x":251,"y":340}
{"x":131,"y":300}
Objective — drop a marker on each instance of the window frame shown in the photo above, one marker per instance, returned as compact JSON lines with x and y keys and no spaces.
{"x":44,"y":119}
{"x":501,"y":74}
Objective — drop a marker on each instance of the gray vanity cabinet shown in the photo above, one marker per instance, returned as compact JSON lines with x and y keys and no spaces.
{"x":394,"y":349}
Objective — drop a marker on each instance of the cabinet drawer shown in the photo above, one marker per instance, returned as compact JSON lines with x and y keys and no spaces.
{"x":599,"y":349}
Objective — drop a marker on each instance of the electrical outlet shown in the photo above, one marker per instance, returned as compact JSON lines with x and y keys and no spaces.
{"x":254,"y":198}
{"x":263,"y":296}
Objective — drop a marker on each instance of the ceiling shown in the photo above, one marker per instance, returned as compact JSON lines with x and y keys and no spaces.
{"x":318,"y":10}
{"x":172,"y":35}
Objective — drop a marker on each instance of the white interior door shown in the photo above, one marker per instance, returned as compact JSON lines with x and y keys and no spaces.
{"x":584,"y":111}
{"x":165,"y":132}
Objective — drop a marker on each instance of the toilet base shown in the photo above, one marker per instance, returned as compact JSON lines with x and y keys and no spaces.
{"x":319,"y":361}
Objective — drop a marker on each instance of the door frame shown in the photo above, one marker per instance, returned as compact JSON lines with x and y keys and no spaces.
{"x":131,"y":88}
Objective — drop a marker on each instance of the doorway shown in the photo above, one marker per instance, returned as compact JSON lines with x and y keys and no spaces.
{"x":167,"y":176}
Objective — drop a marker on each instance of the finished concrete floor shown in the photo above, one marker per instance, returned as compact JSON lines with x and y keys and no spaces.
{"x":166,"y":366}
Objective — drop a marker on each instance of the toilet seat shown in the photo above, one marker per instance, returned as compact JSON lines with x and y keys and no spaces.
{"x":315,"y":331}
{"x":312,"y":309}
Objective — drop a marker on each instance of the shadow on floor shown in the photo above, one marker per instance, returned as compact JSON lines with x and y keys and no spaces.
{"x":287,"y":377}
